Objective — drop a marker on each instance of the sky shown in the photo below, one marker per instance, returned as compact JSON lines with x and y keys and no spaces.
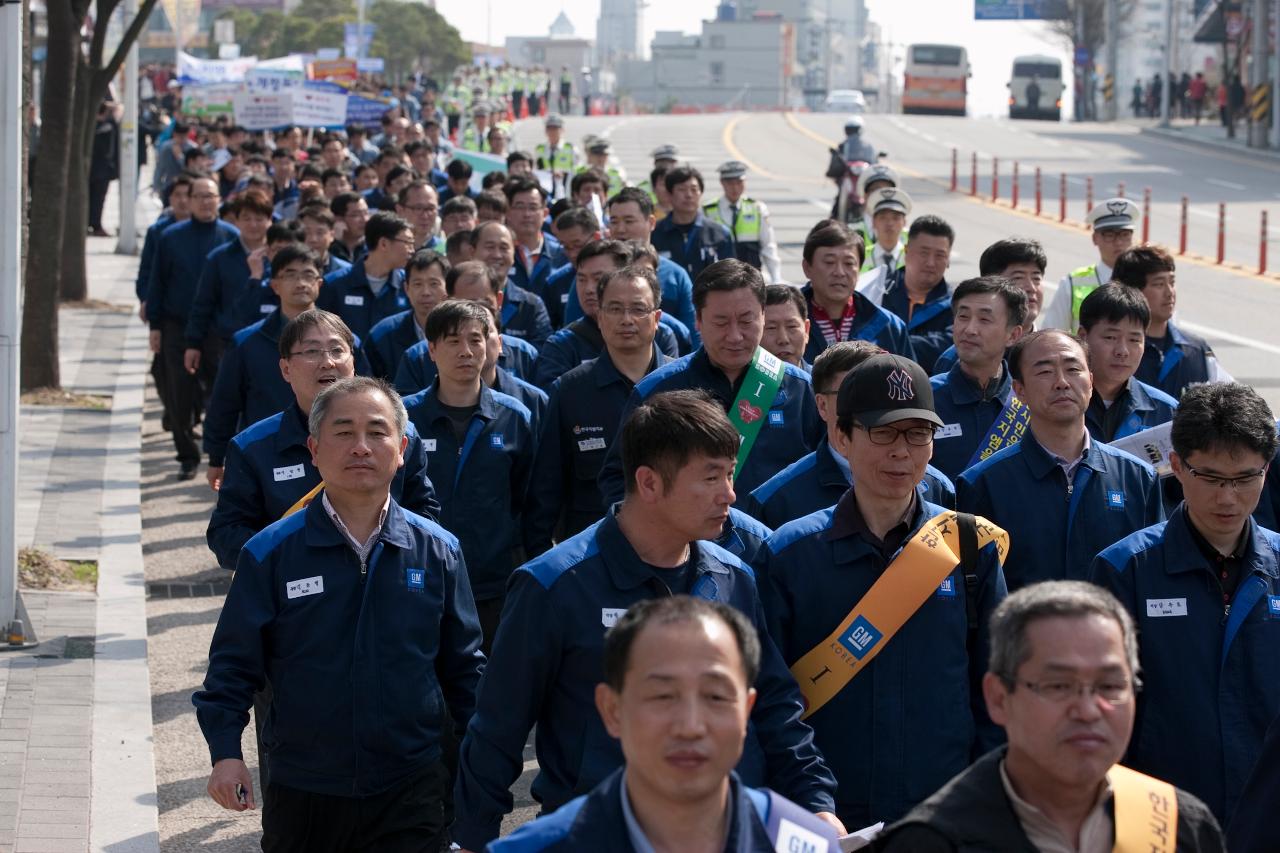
{"x":991,"y":45}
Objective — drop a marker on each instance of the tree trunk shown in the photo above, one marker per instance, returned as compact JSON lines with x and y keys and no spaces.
{"x":44,"y":260}
{"x":74,"y":286}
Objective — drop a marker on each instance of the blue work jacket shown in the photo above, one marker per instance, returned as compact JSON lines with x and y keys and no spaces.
{"x":871,"y":323}
{"x":1143,"y":407}
{"x":525,"y":316}
{"x":677,"y":299}
{"x":347,"y":293}
{"x":967,"y":413}
{"x":416,"y":369}
{"x":929,"y":325}
{"x":218,"y":305}
{"x":580,"y":342}
{"x":180,"y":259}
{"x":1184,"y":360}
{"x":708,"y":241}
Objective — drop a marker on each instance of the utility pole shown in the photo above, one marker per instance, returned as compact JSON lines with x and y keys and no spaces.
{"x":127,"y":238}
{"x":1111,"y":98}
{"x":359,"y":30}
{"x":1168,"y":62}
{"x":1258,"y":73}
{"x":13,"y":127}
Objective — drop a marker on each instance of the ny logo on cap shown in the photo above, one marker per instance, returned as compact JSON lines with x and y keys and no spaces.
{"x":900,"y":386}
{"x":1119,"y":207}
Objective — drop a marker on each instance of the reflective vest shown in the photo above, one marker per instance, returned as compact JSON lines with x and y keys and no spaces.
{"x":564,"y":159}
{"x":745,"y":231}
{"x":473,"y":141}
{"x":616,"y":183}
{"x":1083,"y":282}
{"x":873,"y":256}
{"x":454,"y":98}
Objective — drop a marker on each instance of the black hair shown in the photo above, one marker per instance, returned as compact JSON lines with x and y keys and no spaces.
{"x":726,"y":275}
{"x":934,"y":226}
{"x":1114,"y":303}
{"x":520,"y":157}
{"x":1133,"y":266}
{"x":674,"y":610}
{"x":459,"y":170}
{"x":296,"y":252}
{"x":522,"y":184}
{"x":830,"y":233}
{"x":840,"y":358}
{"x":578,"y":217}
{"x":667,"y":430}
{"x":1015,"y":298}
{"x":396,"y":173}
{"x":288,"y":231}
{"x":384,"y":225}
{"x":458,"y":204}
{"x":457,"y":239}
{"x":472,"y":268}
{"x":629,"y":271}
{"x":424,"y":259}
{"x":1002,"y":254}
{"x":449,"y":316}
{"x":679,"y":175}
{"x":613,"y":248}
{"x":342,"y":201}
{"x":402,"y":198}
{"x":296,"y":329}
{"x":492,"y":199}
{"x":590,"y":175}
{"x":785,"y":294}
{"x":492,"y":180}
{"x":1223,"y":416}
{"x":634,"y":195}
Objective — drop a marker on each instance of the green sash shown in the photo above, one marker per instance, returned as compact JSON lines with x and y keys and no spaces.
{"x":759,"y":387}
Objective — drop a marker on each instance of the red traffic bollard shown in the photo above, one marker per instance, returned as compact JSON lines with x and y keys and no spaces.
{"x":1014,"y":197}
{"x":973,"y":182}
{"x":1039,"y":195}
{"x":995,"y":178}
{"x":1088,"y":196}
{"x":1182,"y":228}
{"x":1262,"y":247}
{"x":955,"y":162}
{"x":1222,"y":231}
{"x":1146,"y":215}
{"x":1120,"y":189}
{"x":1062,"y":199}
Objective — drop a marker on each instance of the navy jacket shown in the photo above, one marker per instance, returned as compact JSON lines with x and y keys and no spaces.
{"x":1185,"y":361}
{"x":218,"y":305}
{"x":416,"y":369}
{"x":1055,"y":529}
{"x":482,"y":481}
{"x":551,"y":259}
{"x":533,"y":397}
{"x":677,"y":298}
{"x":929,"y":324}
{"x":708,"y":242}
{"x":1252,"y":828}
{"x":525,"y":316}
{"x":582,"y":420}
{"x":792,"y":426}
{"x":1210,"y":673}
{"x":148,"y":257}
{"x":388,"y":341}
{"x":546,"y":664}
{"x":818,"y":480}
{"x":967,"y":413}
{"x":362,"y":660}
{"x":180,"y":259}
{"x":596,"y":821}
{"x":881,"y":733}
{"x":268,"y":469}
{"x":871,"y":323}
{"x":555,"y":290}
{"x":580,"y":342}
{"x":743,"y":536}
{"x":1144,"y":407}
{"x":1267,"y":513}
{"x":260,"y":300}
{"x":347,"y":294}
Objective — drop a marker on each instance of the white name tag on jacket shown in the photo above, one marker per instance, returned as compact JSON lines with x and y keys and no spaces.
{"x":609,"y":616}
{"x":1166,"y":607}
{"x":353,"y":300}
{"x":291,"y":472}
{"x":305,"y":587}
{"x":949,"y":431}
{"x":429,"y":444}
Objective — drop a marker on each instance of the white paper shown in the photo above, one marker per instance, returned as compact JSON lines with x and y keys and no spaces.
{"x":861,"y":838}
{"x":1151,"y":445}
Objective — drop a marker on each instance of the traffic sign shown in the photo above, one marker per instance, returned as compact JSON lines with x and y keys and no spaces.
{"x":1020,"y":10}
{"x":1082,"y":55}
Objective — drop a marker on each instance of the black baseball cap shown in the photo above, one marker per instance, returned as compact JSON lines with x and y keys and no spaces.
{"x":886,"y":388}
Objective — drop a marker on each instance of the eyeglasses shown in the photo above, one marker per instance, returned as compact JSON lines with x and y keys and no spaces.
{"x":1112,"y":692}
{"x":315,"y":356}
{"x":1114,"y":235}
{"x":886,"y":435}
{"x":420,"y":208}
{"x":410,"y":242}
{"x":617,"y":312}
{"x":309,"y":276}
{"x":1244,"y":481}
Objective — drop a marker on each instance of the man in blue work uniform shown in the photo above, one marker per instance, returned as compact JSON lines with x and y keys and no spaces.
{"x":631,"y":217}
{"x":1204,"y":588}
{"x":678,"y":788}
{"x":268,"y":470}
{"x":478,"y":282}
{"x":575,"y":227}
{"x":181,"y":257}
{"x":837,"y":312}
{"x":771,"y":401}
{"x":424,"y":286}
{"x":1113,"y":323}
{"x":1061,"y":496}
{"x":178,"y":210}
{"x":687,"y":237}
{"x":524,"y":314}
{"x":419,"y":204}
{"x":547,"y":660}
{"x":925,"y":624}
{"x":1174,"y":358}
{"x":480,"y":446}
{"x":582,"y":340}
{"x":786,"y":324}
{"x":317,"y":222}
{"x":537,"y":252}
{"x":358,"y":614}
{"x":818,"y":480}
{"x":352,"y":211}
{"x":980,"y":413}
{"x":373,"y":288}
{"x":586,"y":411}
{"x":918,"y":293}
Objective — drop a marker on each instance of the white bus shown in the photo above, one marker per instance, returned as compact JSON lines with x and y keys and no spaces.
{"x":1046,"y":71}
{"x":937,"y":79}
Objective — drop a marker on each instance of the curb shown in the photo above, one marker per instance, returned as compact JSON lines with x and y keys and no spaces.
{"x":124,"y":811}
{"x":1211,"y":145}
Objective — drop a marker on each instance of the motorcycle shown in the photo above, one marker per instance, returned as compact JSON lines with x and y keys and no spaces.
{"x":849,"y":204}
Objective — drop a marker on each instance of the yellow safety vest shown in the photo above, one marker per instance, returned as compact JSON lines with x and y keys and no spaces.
{"x":472,"y":141}
{"x":564,"y":159}
{"x":1083,"y":281}
{"x":750,"y":220}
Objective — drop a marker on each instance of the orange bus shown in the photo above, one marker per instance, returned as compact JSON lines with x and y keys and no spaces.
{"x":937,"y":79}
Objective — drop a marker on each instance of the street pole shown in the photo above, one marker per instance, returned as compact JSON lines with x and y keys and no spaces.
{"x":1112,"y":19}
{"x":359,"y":30}
{"x":127,"y":238}
{"x":1168,"y":63}
{"x":1258,"y":72}
{"x":13,"y":119}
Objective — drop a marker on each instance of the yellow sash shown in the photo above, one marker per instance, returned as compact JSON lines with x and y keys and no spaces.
{"x":1146,"y":812}
{"x":920,"y":568}
{"x":304,"y":500}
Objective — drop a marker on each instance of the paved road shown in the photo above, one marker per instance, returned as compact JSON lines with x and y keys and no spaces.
{"x":1232,"y":308}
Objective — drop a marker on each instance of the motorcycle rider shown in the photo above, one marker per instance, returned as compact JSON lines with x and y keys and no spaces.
{"x":852,"y":150}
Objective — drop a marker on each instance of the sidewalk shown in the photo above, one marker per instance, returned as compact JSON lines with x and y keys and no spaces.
{"x":1209,"y":134}
{"x":75,"y":712}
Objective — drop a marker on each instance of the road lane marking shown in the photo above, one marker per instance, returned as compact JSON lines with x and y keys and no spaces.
{"x":1231,"y":185}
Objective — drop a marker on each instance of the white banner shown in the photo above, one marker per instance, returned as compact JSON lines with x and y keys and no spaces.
{"x":302,"y":107}
{"x":273,"y":80}
{"x":193,"y":69}
{"x":312,"y":108}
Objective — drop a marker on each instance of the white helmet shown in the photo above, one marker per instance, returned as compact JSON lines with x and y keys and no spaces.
{"x":853,"y":124}
{"x":877,"y":172}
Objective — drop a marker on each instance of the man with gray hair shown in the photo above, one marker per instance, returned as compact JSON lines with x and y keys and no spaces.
{"x":1062,"y":681}
{"x":359,"y":614}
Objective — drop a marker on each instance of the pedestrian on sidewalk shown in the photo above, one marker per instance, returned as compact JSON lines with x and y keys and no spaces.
{"x":1197,"y":90}
{"x":1235,"y":104}
{"x":1221,"y":95}
{"x":368,"y":668}
{"x":104,"y":163}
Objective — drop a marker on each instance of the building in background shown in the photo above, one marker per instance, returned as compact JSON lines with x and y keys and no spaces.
{"x":619,"y":32}
{"x":830,"y":40}
{"x":1142,"y":46}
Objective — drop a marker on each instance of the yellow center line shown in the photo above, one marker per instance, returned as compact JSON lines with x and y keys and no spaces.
{"x":726,"y":138}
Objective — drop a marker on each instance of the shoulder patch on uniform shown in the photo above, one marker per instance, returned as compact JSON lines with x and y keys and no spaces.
{"x":430,"y":527}
{"x":730,"y":559}
{"x":575,"y":550}
{"x":742,"y":521}
{"x":418,"y":350}
{"x":1158,"y":395}
{"x":1121,"y":554}
{"x":650,"y":383}
{"x":256,"y":432}
{"x":979,"y":468}
{"x":546,"y":831}
{"x":521,"y":344}
{"x":793,"y":531}
{"x":247,"y":332}
{"x":774,"y":484}
{"x":796,"y":373}
{"x":514,"y":405}
{"x":270,"y":537}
